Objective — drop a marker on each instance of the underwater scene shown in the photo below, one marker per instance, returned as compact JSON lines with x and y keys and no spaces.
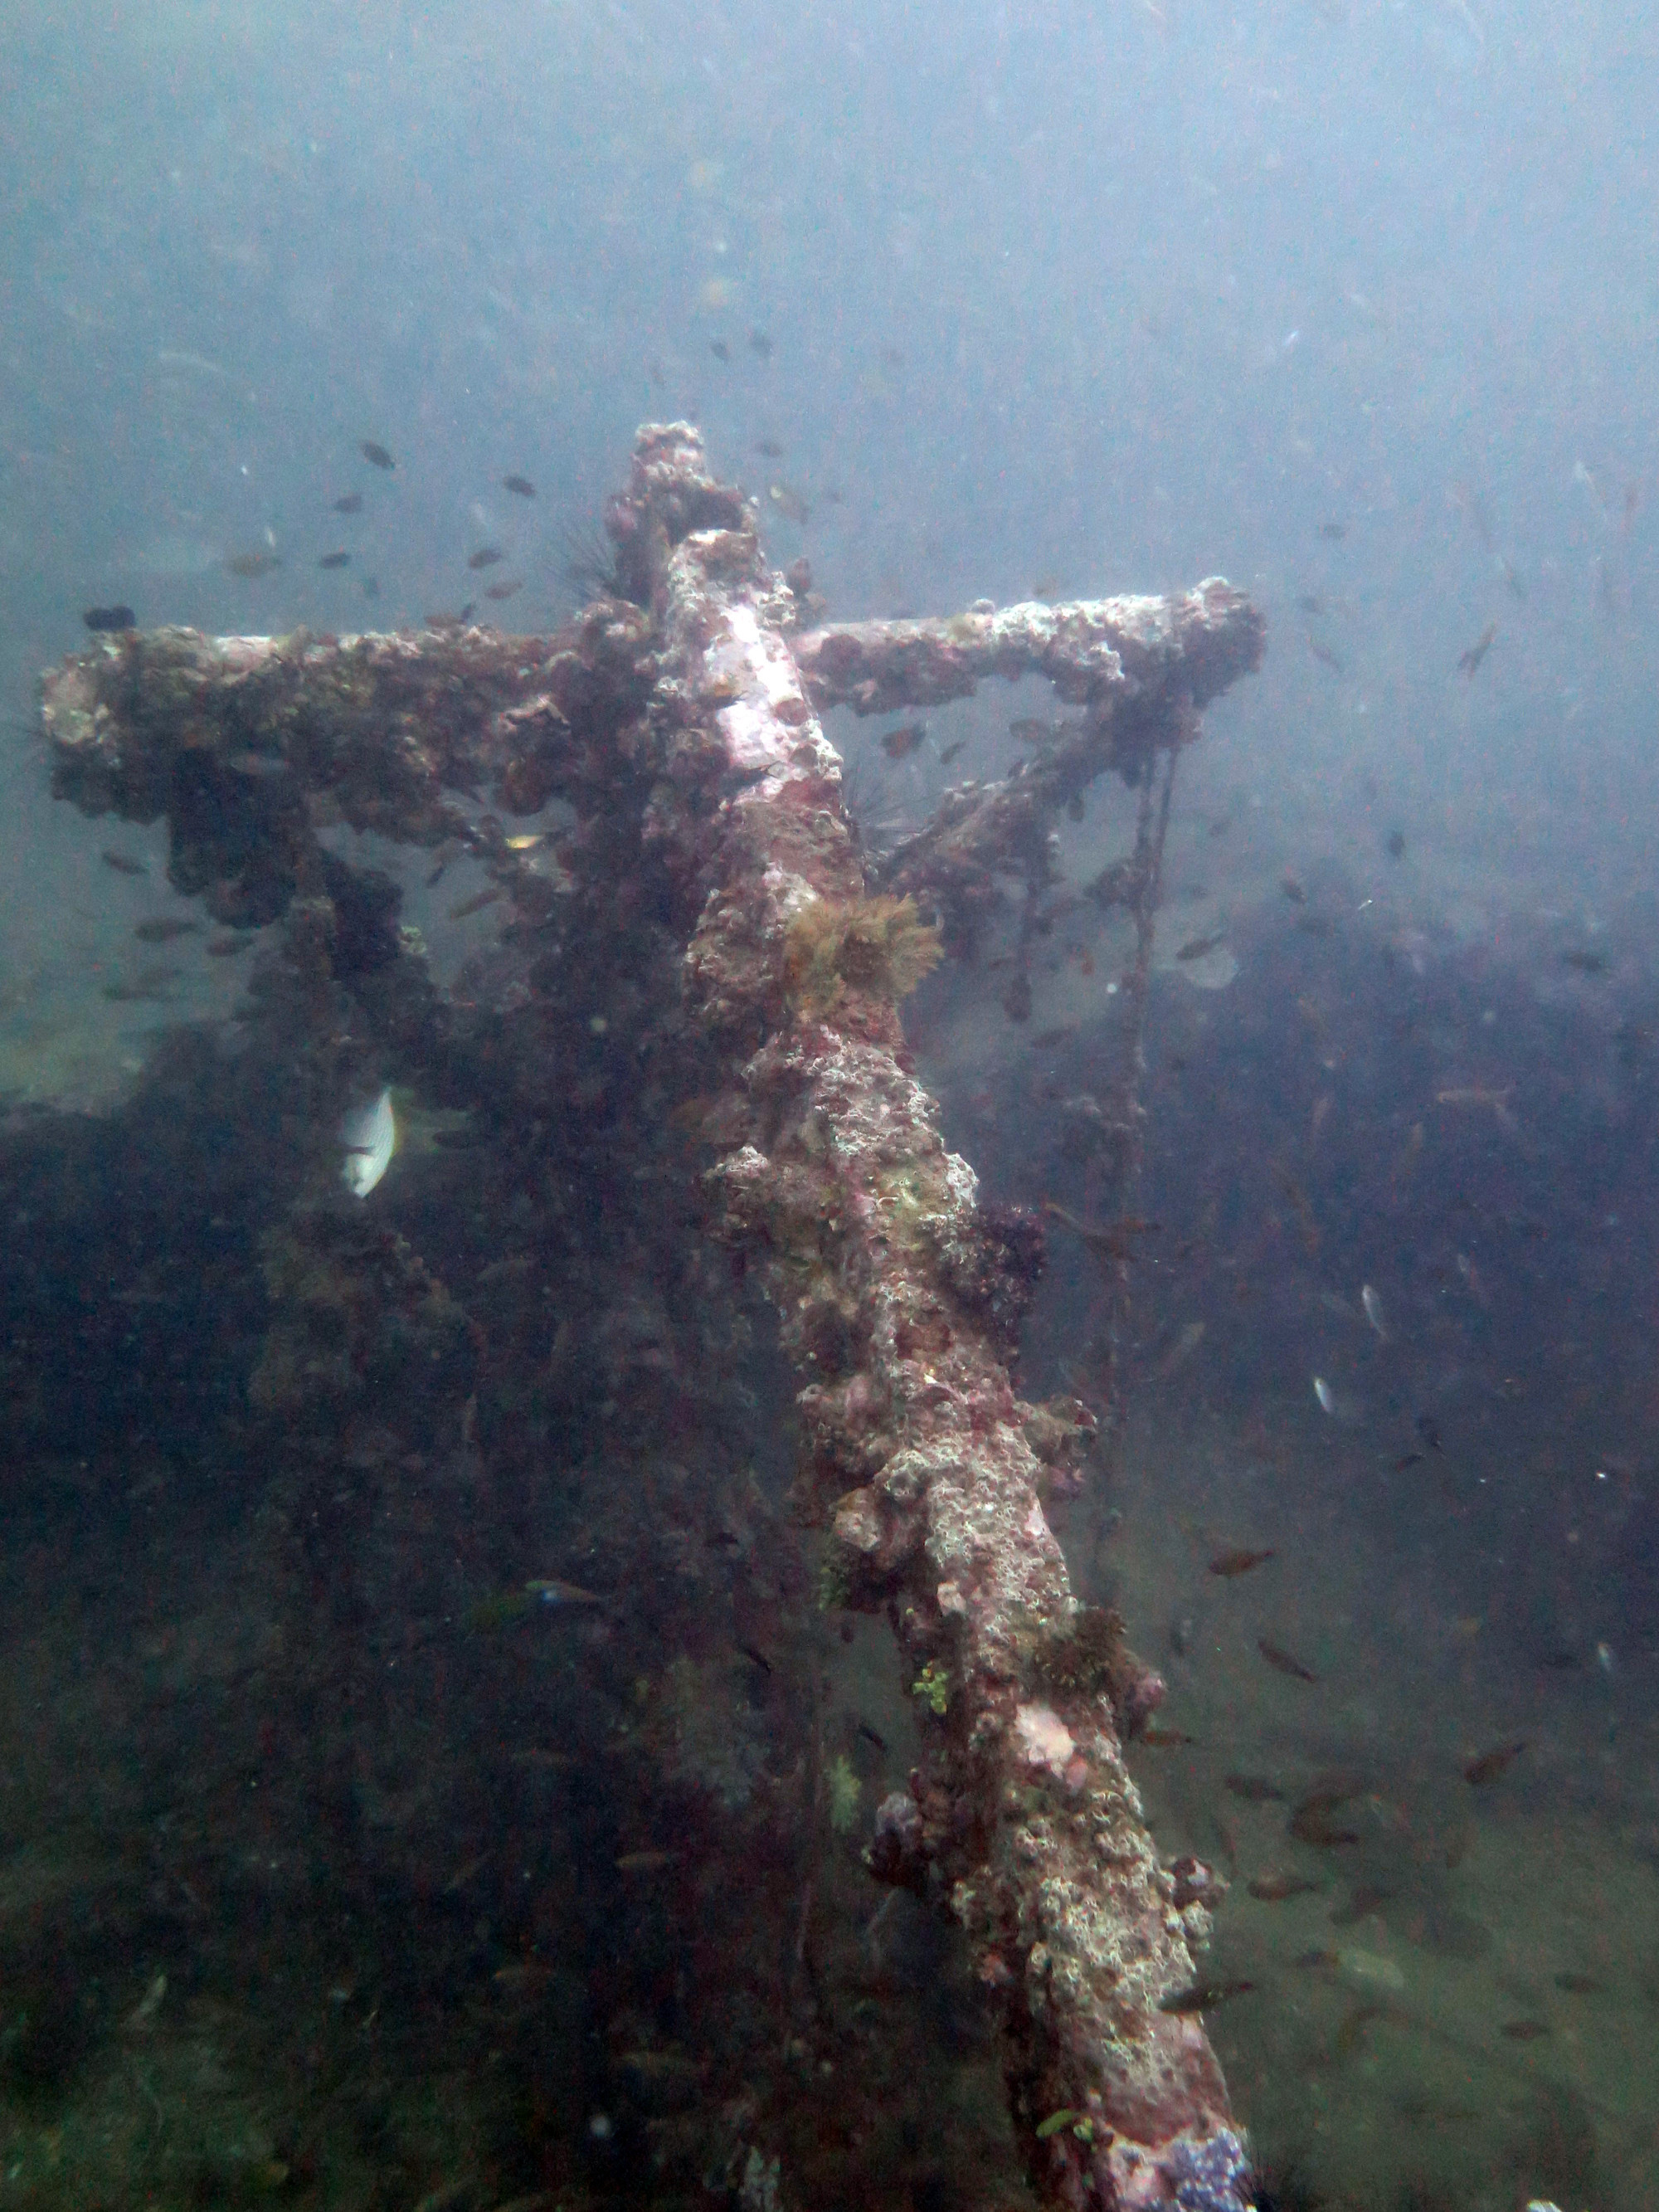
{"x":829,"y":1107}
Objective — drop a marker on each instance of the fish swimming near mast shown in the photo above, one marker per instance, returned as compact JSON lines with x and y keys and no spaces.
{"x":369,"y":1134}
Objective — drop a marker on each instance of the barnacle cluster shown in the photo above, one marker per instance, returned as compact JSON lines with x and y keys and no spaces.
{"x":878,"y":948}
{"x":1086,"y":1656}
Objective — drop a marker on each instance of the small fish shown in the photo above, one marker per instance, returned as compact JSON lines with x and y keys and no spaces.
{"x":1285,"y":1662}
{"x":1470,"y":661}
{"x":646,"y":1862}
{"x":521,"y":485}
{"x":720,"y":349}
{"x":759,"y":343}
{"x":899,"y":744}
{"x":107,"y":618}
{"x":1326,"y":658}
{"x":1311,"y":1821}
{"x":254,"y":564}
{"x":1311,"y":603}
{"x":227,"y":945}
{"x":1396,"y":844}
{"x":1373,"y":1305}
{"x":334,"y":561}
{"x":788,"y":502}
{"x":948,"y":753}
{"x":1406,"y":1460}
{"x":149,"y":983}
{"x":1196,"y":947}
{"x":1364,"y":1901}
{"x":513,"y":1981}
{"x":1325,"y":1394}
{"x":164,"y":928}
{"x":477,"y":903}
{"x":1428,"y":1429}
{"x":1227,"y":1564}
{"x":1164,"y":1739}
{"x":770,"y":448}
{"x":1525,"y":2031}
{"x":504,"y":591}
{"x":756,"y":1657}
{"x":485,"y":557}
{"x":351,"y":504}
{"x":1492,"y":1766}
{"x":368,"y":1137}
{"x":1586,"y":964}
{"x":376,"y":453}
{"x":1292,"y":889}
{"x":1203,"y":1995}
{"x":1181,"y":1350}
{"x":1351,"y":2033}
{"x":1028,"y":731}
{"x":123,"y":863}
{"x":1578,"y":1985}
{"x":1275,"y":1888}
{"x":1110,"y":1240}
{"x":458,"y":620}
{"x":551,"y":1591}
{"x":1254,"y":1788}
{"x":1334,"y":531}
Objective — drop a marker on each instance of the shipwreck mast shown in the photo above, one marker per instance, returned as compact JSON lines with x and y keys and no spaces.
{"x":688,"y":714}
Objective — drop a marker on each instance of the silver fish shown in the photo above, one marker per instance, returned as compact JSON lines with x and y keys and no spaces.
{"x":1373,"y":1306}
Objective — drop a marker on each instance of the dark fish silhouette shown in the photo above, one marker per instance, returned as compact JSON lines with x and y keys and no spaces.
{"x":334,"y":561}
{"x":761,"y":344}
{"x":1228,"y":1565}
{"x":254,"y":564}
{"x":1492,"y":1766}
{"x":1470,"y":660}
{"x":1428,"y":1429}
{"x":1285,"y":1663}
{"x":351,"y":504}
{"x":899,"y":744}
{"x":122,"y":864}
{"x":720,"y":349}
{"x":1396,"y":844}
{"x":377,"y":453}
{"x":1196,"y":947}
{"x":101,"y":619}
{"x":1311,"y":1821}
{"x":486,"y":557}
{"x":1254,"y":1788}
{"x":1203,"y":1995}
{"x":1334,"y":531}
{"x":522,"y":485}
{"x":1275,"y":1888}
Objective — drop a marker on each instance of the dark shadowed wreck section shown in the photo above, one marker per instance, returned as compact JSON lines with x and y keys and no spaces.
{"x":679,"y":728}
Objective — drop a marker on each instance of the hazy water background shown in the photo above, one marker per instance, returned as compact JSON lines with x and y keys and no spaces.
{"x":1092,"y":298}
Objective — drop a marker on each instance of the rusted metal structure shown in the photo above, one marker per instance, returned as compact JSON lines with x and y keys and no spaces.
{"x":677,"y":724}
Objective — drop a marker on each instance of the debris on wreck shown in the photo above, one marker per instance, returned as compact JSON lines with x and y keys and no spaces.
{"x":710,"y":867}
